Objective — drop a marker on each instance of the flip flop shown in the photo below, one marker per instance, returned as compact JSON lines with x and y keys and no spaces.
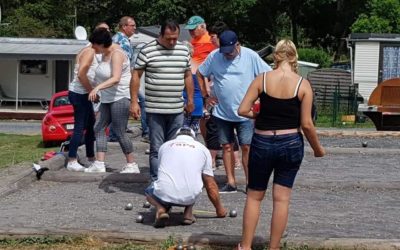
{"x":161,"y":220}
{"x":187,"y":221}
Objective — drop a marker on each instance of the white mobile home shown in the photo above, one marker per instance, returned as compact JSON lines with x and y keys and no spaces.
{"x":33,"y":69}
{"x":376,"y":57}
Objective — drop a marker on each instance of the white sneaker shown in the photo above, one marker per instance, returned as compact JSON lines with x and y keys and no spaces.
{"x":75,"y":166}
{"x":130,"y":168}
{"x":96,"y":167}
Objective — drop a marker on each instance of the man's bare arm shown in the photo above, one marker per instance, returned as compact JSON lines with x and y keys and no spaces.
{"x":189,"y":88}
{"x":213,"y":194}
{"x":134,"y":90}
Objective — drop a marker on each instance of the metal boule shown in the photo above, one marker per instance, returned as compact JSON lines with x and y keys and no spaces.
{"x":139,"y":218}
{"x":129,"y":206}
{"x":146,"y":204}
{"x":233,"y":213}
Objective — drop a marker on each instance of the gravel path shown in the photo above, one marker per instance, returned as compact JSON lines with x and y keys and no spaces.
{"x":352,"y":195}
{"x":353,"y":192}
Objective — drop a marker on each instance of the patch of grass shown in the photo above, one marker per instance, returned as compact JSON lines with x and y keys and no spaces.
{"x":325,"y":121}
{"x":69,"y":243}
{"x":15,"y":149}
{"x":92,"y":243}
{"x":170,"y":241}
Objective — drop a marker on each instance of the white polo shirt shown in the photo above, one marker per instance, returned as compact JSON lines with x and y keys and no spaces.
{"x":182,"y":163}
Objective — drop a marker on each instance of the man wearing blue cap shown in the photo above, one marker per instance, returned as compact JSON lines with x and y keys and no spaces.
{"x":233,"y":68}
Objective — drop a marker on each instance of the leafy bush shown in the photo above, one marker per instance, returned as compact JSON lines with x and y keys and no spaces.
{"x":314,"y":55}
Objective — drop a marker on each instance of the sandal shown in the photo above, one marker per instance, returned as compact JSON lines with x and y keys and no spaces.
{"x":187,"y":221}
{"x":161,"y":220}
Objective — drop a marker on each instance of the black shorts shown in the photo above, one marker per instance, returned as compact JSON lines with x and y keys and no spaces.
{"x":212,"y":140}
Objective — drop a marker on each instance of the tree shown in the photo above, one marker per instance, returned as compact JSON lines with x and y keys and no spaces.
{"x":46,"y":18}
{"x":382,"y":16}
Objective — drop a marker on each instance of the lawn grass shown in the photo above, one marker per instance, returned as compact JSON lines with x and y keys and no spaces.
{"x":16,"y":149}
{"x":88,"y":242}
{"x":325,"y":121}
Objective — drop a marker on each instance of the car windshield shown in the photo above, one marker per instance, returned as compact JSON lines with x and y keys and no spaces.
{"x":61,"y":101}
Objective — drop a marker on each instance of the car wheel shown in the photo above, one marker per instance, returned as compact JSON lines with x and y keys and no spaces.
{"x":47,"y":144}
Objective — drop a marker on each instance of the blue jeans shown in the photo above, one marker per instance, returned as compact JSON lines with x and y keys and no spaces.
{"x":84,"y":121}
{"x":226,"y":131}
{"x":149,"y":191}
{"x":145,"y":129}
{"x":162,"y":128}
{"x":281,"y":154}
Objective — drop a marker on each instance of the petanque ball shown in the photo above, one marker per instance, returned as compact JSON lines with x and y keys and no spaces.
{"x":129,"y":206}
{"x":191,"y":247}
{"x":146,"y":204}
{"x":364,"y":144}
{"x":233,"y":213}
{"x":179,"y":247}
{"x":139,"y":219}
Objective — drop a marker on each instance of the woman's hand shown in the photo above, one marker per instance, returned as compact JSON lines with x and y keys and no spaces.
{"x":93,"y":96}
{"x":320,"y":152}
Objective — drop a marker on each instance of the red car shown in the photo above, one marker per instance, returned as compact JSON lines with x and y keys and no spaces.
{"x":58,"y":123}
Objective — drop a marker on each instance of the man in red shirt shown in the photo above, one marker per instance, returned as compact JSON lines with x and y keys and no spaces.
{"x":201,"y":41}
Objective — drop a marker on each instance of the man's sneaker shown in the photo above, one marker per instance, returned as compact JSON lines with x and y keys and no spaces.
{"x":96,"y":167}
{"x":75,"y":166}
{"x":130,"y":168}
{"x":227,"y":189}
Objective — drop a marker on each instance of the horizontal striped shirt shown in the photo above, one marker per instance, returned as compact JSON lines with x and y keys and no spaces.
{"x":164,"y":79}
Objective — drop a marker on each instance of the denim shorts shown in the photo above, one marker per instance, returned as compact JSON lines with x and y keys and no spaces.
{"x":226,"y":131}
{"x":281,"y":154}
{"x":167,"y":205}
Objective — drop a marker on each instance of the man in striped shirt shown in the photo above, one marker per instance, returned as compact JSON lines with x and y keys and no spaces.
{"x":167,"y":65}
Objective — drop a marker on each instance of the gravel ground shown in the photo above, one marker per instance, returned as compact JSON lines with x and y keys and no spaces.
{"x":352,"y":195}
{"x":356,"y":142}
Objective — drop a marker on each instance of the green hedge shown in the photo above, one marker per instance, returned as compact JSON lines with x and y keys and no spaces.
{"x":314,"y":55}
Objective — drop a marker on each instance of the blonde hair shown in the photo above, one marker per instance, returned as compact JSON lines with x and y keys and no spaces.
{"x":285,"y":51}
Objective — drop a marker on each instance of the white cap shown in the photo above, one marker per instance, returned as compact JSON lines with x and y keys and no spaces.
{"x":186,"y":131}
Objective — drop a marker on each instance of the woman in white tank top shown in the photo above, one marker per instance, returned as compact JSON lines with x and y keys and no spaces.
{"x":84,"y":119}
{"x":112,"y":77}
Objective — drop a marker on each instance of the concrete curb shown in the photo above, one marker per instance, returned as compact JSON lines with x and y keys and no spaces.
{"x":357,"y":133}
{"x":200,"y":239}
{"x":27,"y":176}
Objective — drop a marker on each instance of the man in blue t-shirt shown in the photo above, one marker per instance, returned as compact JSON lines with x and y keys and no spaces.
{"x":232,"y":68}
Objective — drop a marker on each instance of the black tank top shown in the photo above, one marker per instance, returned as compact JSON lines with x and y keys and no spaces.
{"x":277,"y":113}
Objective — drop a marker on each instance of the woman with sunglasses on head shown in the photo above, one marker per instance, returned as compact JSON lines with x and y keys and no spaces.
{"x":277,"y":145}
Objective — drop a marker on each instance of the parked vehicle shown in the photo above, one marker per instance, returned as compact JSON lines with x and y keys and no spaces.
{"x":58,"y":123}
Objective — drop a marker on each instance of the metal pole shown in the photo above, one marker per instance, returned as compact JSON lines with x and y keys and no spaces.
{"x":17,"y":86}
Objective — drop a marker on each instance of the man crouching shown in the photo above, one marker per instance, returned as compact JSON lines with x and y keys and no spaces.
{"x":185,"y":164}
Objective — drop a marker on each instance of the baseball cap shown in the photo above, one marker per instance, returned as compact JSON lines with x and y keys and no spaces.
{"x":185,"y":130}
{"x":193,"y":22}
{"x":227,"y":41}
